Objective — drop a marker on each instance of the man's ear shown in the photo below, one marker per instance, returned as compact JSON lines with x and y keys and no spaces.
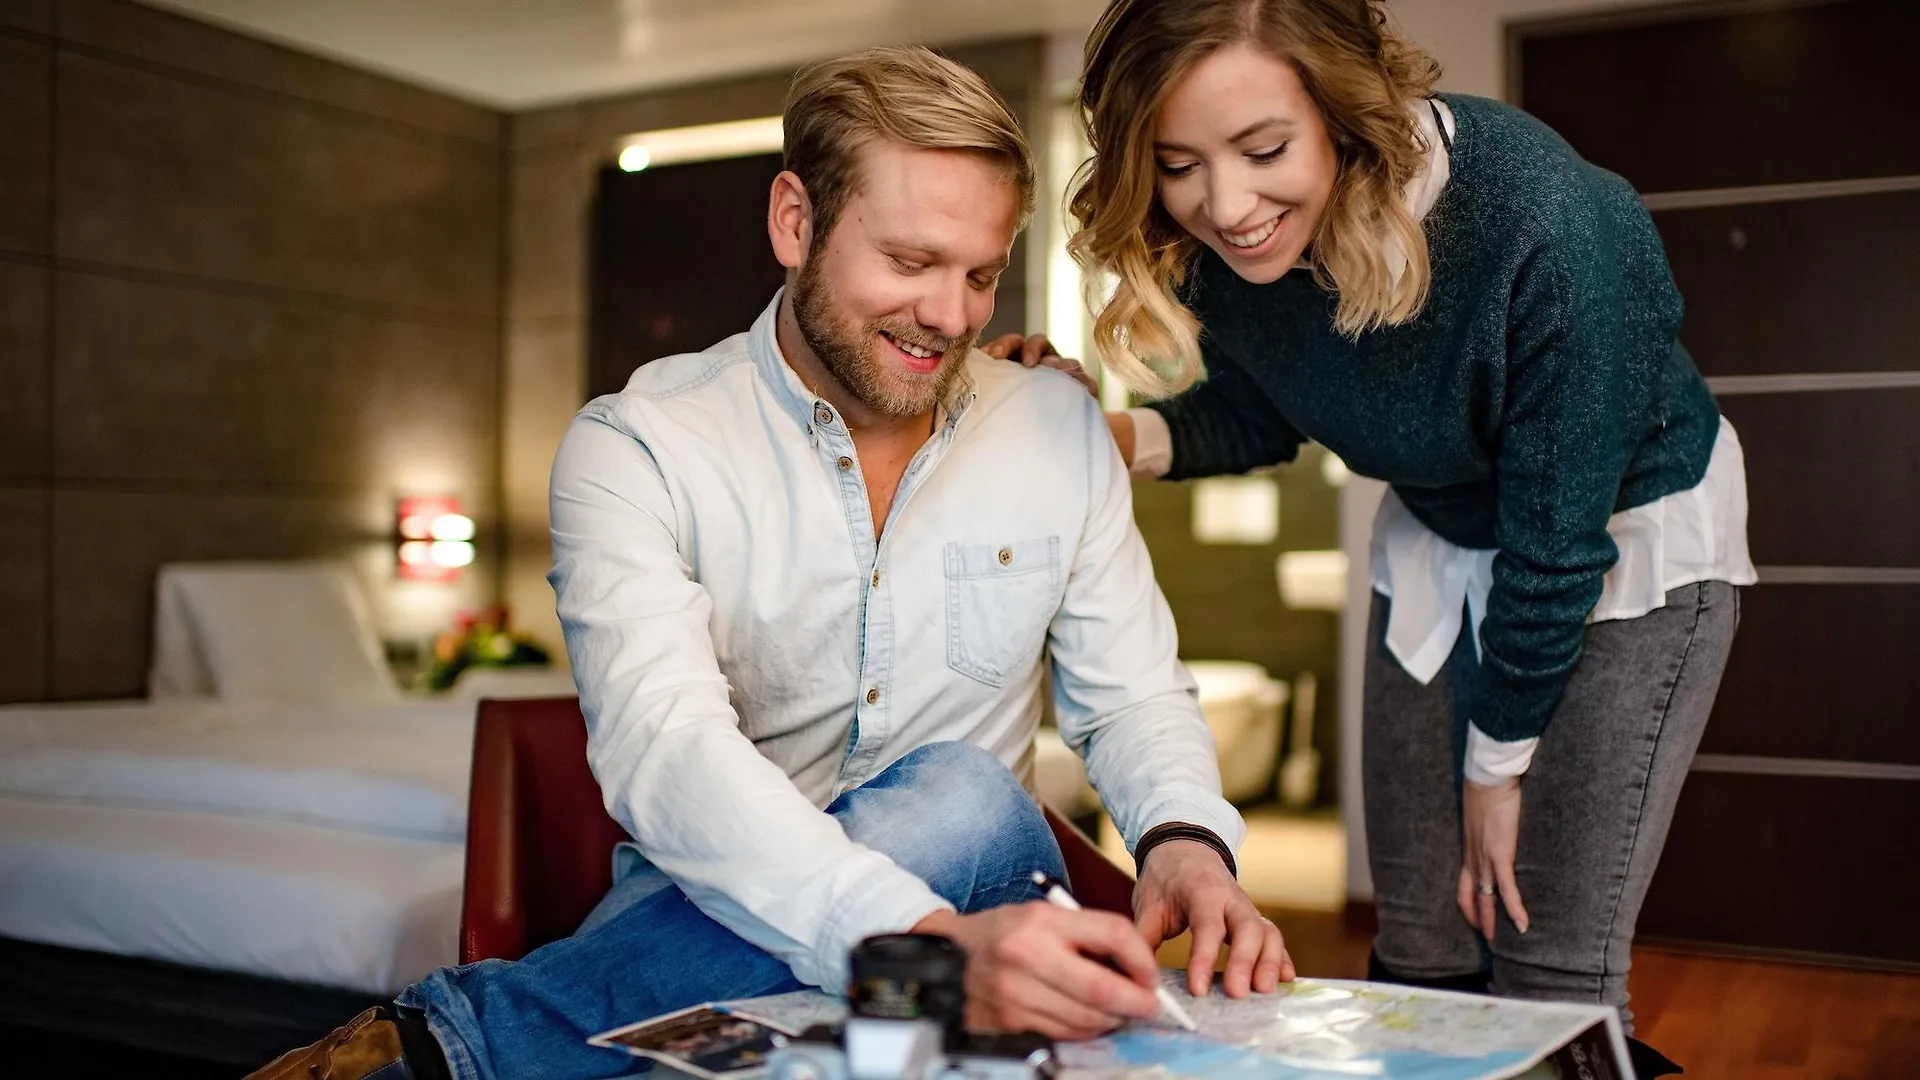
{"x":789,"y":220}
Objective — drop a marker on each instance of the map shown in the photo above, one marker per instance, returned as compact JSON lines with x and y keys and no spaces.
{"x":1314,"y":1029}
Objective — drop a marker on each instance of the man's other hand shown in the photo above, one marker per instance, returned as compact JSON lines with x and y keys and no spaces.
{"x":1037,"y":967}
{"x":1185,"y":886}
{"x":1037,"y":350}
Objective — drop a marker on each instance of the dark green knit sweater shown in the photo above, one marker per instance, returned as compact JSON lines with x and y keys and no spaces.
{"x":1541,"y":390}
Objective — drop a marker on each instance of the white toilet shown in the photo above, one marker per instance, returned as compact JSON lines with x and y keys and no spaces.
{"x":1242,"y":705}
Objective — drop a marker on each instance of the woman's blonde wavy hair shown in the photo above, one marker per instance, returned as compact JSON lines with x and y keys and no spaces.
{"x":1364,"y":79}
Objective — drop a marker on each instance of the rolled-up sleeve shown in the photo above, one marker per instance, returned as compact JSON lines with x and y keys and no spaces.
{"x":724,"y":823}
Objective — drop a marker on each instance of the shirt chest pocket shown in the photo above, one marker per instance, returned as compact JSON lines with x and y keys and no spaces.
{"x":1000,"y":600}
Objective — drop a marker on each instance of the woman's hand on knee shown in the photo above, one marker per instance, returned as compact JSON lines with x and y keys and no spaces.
{"x":1184,"y":885}
{"x":1491,"y":819}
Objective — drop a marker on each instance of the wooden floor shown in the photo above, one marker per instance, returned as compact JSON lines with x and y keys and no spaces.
{"x":1718,"y":1017}
{"x":1762,"y":1020}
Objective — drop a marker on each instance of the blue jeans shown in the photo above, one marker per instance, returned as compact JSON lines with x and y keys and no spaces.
{"x":949,"y":813}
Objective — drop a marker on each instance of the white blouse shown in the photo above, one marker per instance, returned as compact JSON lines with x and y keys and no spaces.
{"x":1688,"y":537}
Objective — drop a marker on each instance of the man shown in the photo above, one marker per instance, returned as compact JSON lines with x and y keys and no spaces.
{"x":810,"y":580}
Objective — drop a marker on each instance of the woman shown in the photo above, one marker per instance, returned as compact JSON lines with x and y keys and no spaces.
{"x":1440,"y":291}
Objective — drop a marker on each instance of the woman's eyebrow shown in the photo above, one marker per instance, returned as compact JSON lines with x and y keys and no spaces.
{"x":1252,"y":129}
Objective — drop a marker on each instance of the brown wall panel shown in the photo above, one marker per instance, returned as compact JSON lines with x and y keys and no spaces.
{"x":141,"y":33}
{"x":1833,"y":479}
{"x":163,"y":382}
{"x":548,"y":195}
{"x":36,"y":15}
{"x":23,"y":370}
{"x":1785,"y":862}
{"x":1817,"y":285}
{"x":171,"y":175}
{"x":1801,"y":93}
{"x":542,"y":380}
{"x":23,"y":594}
{"x":1822,"y":671}
{"x":274,"y":307}
{"x":26,"y":142}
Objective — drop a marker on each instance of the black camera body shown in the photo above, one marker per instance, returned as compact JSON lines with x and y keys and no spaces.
{"x":908,"y":1000}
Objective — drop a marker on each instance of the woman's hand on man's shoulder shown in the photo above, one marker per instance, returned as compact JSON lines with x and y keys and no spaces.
{"x":1037,"y":351}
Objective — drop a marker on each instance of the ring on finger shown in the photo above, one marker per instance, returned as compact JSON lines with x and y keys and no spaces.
{"x":1484,"y":889}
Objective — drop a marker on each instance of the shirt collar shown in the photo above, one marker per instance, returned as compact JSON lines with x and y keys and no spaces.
{"x":809,"y":409}
{"x":763,"y":345}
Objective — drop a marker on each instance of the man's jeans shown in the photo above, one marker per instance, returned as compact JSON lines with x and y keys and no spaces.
{"x":949,"y":813}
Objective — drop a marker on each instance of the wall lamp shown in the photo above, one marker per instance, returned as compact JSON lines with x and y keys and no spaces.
{"x":435,"y":538}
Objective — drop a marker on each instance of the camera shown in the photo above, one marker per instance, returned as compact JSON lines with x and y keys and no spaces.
{"x":906,"y":1004}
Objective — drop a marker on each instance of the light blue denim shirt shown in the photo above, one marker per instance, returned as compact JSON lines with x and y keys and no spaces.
{"x":746,"y":651}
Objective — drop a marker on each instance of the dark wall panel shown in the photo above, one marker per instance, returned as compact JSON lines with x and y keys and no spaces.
{"x":548,"y":192}
{"x":136,"y":31}
{"x":1813,"y":92}
{"x":26,"y":143}
{"x":23,"y":594}
{"x":253,"y":298}
{"x":171,"y":175}
{"x":1852,"y":692}
{"x":1833,"y":479}
{"x":159,"y":382}
{"x":1780,"y":288}
{"x":1740,"y":846}
{"x":23,"y":370}
{"x":36,"y":15}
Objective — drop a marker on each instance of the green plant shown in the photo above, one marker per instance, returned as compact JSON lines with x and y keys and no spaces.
{"x":479,"y":639}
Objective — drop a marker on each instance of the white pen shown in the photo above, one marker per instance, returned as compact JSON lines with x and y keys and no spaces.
{"x":1057,"y":895}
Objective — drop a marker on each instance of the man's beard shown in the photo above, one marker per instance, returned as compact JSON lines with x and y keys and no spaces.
{"x":848,"y":353}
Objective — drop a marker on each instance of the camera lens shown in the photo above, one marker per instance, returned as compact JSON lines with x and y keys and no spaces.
{"x":909,"y":977}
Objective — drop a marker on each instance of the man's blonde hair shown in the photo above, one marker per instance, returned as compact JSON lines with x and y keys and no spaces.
{"x":907,"y":95}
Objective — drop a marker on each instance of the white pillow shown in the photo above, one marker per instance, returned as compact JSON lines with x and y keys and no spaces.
{"x":266,"y":631}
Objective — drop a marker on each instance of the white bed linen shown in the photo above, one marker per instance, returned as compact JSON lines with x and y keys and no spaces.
{"x":397,"y":770}
{"x":274,"y":898}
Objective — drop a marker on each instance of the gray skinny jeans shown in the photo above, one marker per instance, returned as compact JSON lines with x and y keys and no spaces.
{"x":1595,"y":803}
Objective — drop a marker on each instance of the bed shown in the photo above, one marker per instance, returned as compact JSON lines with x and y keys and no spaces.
{"x":273,"y":838}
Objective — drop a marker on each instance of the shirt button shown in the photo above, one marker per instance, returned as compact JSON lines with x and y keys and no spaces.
{"x":873,"y":696}
{"x":845,"y":463}
{"x":1006,"y":556}
{"x":876,"y":579}
{"x":823,"y":415}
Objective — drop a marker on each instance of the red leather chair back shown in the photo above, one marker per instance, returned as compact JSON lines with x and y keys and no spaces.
{"x":540,"y":843}
{"x":1097,"y":883}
